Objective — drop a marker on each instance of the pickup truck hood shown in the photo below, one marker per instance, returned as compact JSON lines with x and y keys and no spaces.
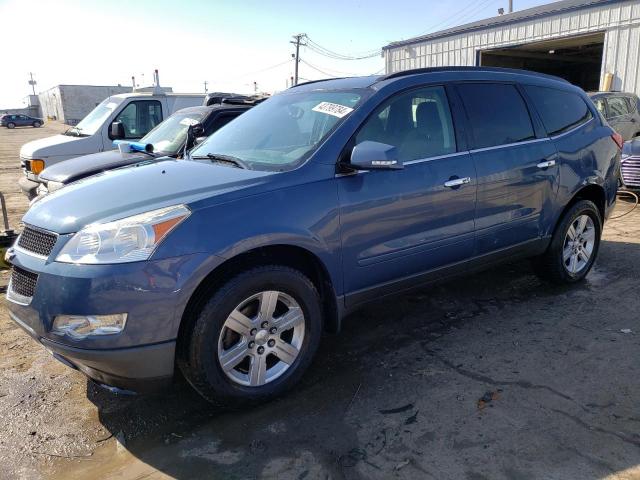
{"x":86,"y":165}
{"x":140,"y":188}
{"x":58,"y":145}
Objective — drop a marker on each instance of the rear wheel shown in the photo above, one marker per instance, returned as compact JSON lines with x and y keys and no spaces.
{"x":37,"y":124}
{"x":254,"y":338}
{"x":574,"y":246}
{"x":11,"y":125}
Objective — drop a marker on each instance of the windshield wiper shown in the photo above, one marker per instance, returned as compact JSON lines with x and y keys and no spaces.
{"x":78,"y":133}
{"x":219,"y":158}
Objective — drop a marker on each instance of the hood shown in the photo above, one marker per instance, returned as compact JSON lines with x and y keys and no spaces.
{"x":58,"y":145}
{"x":131,"y":190}
{"x":86,"y":165}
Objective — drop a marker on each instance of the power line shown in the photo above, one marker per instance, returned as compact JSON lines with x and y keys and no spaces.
{"x":457,"y":16}
{"x":316,"y":47}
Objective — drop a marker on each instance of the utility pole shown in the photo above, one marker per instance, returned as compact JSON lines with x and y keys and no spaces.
{"x":205,"y":86}
{"x":510,"y":6}
{"x":32,"y":82}
{"x":297,"y":41}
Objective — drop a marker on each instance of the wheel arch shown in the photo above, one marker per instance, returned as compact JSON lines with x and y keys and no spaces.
{"x":593,"y":192}
{"x":292,"y":256}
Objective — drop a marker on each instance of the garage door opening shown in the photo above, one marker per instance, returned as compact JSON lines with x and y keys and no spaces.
{"x":577,"y":59}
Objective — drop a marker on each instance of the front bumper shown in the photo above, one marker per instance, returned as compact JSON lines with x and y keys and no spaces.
{"x":139,"y":369}
{"x":29,"y":187}
{"x":153,"y":293}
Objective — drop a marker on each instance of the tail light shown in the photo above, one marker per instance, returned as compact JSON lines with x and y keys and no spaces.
{"x":618,"y":139}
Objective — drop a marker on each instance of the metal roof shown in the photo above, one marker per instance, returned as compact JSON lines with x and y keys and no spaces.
{"x":529,"y":13}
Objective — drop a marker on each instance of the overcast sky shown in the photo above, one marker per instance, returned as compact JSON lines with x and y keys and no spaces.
{"x":230,"y":44}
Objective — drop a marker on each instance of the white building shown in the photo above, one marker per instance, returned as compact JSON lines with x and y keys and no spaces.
{"x":580,"y":40}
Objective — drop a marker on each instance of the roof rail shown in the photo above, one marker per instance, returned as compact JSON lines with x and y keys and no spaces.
{"x":316,"y":81}
{"x":469,"y":69}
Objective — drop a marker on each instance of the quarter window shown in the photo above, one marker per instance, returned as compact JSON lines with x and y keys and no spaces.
{"x":138,"y":118}
{"x":560,"y":110}
{"x":497,"y":113}
{"x":418,"y":123}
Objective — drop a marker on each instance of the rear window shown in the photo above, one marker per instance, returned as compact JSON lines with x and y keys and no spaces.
{"x":559,"y":110}
{"x":497,"y":113}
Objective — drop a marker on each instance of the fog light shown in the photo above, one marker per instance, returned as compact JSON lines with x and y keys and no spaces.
{"x":81,"y":326}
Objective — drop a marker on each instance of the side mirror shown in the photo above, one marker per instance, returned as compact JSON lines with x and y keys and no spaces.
{"x":117,"y":131}
{"x":375,"y":156}
{"x":194,"y":133}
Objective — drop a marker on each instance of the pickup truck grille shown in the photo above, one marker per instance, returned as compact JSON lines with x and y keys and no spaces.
{"x":631,"y":172}
{"x":37,"y":241}
{"x":23,"y":283}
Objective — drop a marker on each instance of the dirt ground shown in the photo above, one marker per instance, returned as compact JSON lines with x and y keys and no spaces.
{"x":492,"y":376}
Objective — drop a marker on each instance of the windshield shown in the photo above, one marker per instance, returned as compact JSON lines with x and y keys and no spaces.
{"x":282,"y":132}
{"x":169,"y":136}
{"x":96,"y":118}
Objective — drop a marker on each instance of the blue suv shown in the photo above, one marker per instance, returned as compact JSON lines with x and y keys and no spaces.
{"x":228,"y":266}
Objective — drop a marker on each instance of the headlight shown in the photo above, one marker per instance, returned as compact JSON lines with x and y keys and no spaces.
{"x":128,"y":240}
{"x":81,"y":326}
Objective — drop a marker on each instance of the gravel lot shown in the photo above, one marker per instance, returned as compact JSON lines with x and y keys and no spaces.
{"x":493,"y":376}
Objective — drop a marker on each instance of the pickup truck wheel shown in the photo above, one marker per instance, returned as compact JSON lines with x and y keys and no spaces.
{"x":36,"y":124}
{"x":574,"y":246}
{"x":254,"y":338}
{"x":11,"y":125}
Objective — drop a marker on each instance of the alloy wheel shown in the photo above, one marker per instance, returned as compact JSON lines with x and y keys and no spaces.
{"x":579,"y":243}
{"x":261,"y":338}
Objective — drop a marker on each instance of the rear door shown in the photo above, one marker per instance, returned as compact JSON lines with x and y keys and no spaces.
{"x":515,"y":164}
{"x":397,"y":224}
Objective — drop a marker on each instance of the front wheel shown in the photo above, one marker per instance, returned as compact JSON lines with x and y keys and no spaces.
{"x":254,"y":338}
{"x":574,"y":246}
{"x":37,"y":124}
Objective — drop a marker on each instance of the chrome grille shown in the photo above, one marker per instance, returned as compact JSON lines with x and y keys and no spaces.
{"x":23,"y":282}
{"x":631,"y":172}
{"x":37,"y":241}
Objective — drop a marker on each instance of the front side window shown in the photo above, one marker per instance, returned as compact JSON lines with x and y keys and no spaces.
{"x":559,"y":110}
{"x":138,"y":118}
{"x":617,"y":106}
{"x":497,"y":113}
{"x":283,"y":131}
{"x":418,"y":123}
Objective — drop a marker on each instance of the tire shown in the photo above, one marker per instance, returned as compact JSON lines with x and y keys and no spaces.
{"x":554,"y":265}
{"x":203,"y":343}
{"x":11,"y":125}
{"x":37,"y":124}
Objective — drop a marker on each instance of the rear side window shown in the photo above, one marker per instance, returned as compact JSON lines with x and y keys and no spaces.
{"x":497,"y":113}
{"x":560,"y":110}
{"x":617,"y":106}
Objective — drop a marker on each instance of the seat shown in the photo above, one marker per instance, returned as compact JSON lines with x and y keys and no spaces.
{"x":427,"y":138}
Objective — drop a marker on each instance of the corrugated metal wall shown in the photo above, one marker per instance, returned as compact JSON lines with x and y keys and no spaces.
{"x":621,"y":56}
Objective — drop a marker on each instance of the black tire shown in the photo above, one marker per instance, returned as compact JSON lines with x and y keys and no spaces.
{"x":37,"y":124}
{"x":11,"y":125}
{"x":197,"y":349}
{"x":550,"y":266}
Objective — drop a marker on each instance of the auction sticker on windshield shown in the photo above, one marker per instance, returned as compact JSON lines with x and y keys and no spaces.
{"x":188,"y":121}
{"x":334,"y":109}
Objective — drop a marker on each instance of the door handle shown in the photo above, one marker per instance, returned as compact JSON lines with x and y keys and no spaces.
{"x":546,"y":164}
{"x":456,"y":182}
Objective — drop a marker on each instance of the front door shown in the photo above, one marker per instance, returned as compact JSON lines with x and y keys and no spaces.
{"x":517,"y":172}
{"x":397,"y":224}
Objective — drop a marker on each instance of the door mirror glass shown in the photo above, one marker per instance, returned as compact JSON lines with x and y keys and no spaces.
{"x":117,"y":131}
{"x":370,"y":155}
